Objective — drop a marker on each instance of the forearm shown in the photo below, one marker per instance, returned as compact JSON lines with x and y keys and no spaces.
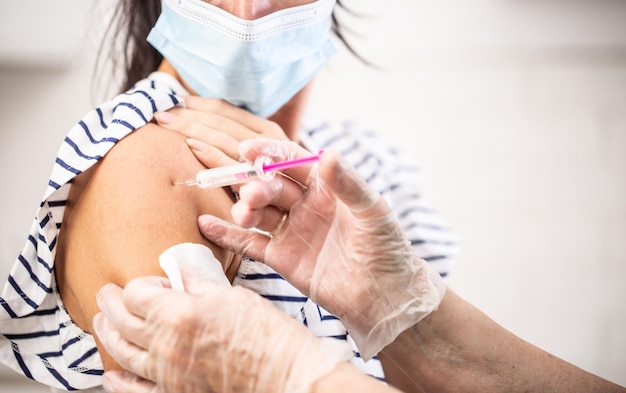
{"x":458,"y":348}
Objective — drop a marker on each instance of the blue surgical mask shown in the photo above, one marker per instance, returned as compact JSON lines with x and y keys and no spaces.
{"x":255,"y":64}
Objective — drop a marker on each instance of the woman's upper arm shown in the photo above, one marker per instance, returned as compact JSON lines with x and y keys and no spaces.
{"x":125,"y":212}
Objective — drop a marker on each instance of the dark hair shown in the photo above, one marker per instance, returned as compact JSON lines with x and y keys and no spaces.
{"x":130,"y":53}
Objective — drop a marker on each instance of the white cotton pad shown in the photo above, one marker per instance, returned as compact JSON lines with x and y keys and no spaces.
{"x":195,"y":256}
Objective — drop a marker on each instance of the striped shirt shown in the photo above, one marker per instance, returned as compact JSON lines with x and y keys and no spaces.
{"x":38,"y":338}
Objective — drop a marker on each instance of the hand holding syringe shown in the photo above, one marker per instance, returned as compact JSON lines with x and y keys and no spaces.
{"x":263,"y":168}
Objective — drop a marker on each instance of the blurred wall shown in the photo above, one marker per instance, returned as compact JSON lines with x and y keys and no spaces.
{"x":514,"y":110}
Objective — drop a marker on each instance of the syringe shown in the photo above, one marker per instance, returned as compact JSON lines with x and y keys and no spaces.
{"x":263,"y":168}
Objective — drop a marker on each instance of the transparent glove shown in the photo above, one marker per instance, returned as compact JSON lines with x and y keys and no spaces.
{"x":340,"y":245}
{"x":212,"y":338}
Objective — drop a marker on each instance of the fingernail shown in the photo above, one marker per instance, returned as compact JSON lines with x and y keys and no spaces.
{"x":196,"y":145}
{"x":99,"y":328}
{"x":203,"y":220}
{"x":101,"y":296}
{"x":164,"y":117}
{"x":206,"y":219}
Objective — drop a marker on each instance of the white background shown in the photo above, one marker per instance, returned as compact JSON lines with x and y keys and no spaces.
{"x":514,"y":110}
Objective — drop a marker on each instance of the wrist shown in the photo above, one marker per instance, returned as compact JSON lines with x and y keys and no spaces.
{"x":345,"y":378}
{"x":446,"y":350}
{"x":314,"y":360}
{"x":403,"y":301}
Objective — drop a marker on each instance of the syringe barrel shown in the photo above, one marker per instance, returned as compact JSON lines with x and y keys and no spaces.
{"x":234,"y":174}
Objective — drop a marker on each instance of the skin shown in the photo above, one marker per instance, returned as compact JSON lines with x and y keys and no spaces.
{"x":449,"y":352}
{"x":289,"y":119}
{"x":455,"y":348}
{"x":345,"y":378}
{"x":125,"y":211}
{"x":219,"y":362}
{"x":255,"y":9}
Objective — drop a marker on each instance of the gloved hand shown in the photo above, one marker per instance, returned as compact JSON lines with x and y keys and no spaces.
{"x":340,"y":245}
{"x":213,"y":338}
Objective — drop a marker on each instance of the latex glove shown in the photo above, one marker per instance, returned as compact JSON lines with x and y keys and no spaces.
{"x":212,"y":338}
{"x":340,"y":245}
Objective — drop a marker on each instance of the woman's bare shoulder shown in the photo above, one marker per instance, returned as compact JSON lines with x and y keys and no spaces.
{"x":125,"y":211}
{"x":132,"y":192}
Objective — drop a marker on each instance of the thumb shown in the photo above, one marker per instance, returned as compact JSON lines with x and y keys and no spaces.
{"x":189,"y":266}
{"x":346,"y":182}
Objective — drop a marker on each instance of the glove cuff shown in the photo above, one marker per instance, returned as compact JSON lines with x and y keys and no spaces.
{"x":412,"y":304}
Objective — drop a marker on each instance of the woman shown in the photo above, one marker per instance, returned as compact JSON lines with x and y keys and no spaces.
{"x":114,"y":179}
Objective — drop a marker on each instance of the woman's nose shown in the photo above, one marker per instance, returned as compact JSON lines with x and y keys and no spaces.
{"x":252,"y":9}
